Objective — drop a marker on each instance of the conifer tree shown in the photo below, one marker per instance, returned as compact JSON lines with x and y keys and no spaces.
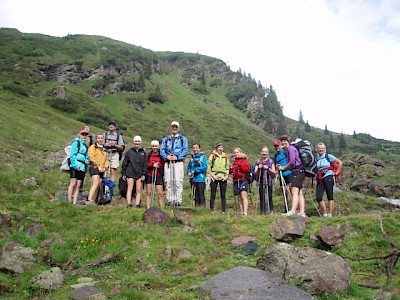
{"x":331,"y":143}
{"x":307,"y":127}
{"x":342,"y":142}
{"x":301,"y":119}
{"x":354,"y":135}
{"x":326,"y":131}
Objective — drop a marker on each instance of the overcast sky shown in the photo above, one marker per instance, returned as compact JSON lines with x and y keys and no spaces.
{"x":335,"y":60}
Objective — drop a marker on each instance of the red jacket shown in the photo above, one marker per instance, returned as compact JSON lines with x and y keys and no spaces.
{"x":153,"y":158}
{"x":240,"y":169}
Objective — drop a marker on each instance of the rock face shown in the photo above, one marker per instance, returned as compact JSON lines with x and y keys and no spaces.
{"x":249,"y":283}
{"x":288,"y":229}
{"x":313,"y":270}
{"x":155,"y":215}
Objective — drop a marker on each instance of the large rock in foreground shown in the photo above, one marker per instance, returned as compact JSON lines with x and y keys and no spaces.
{"x":313,"y":270}
{"x":249,"y":283}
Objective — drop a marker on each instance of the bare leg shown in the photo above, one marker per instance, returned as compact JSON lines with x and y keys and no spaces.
{"x":129,"y":190}
{"x":302,"y":203}
{"x":245,"y":201}
{"x":70,"y":190}
{"x":113,"y":173}
{"x":160,"y":194}
{"x":322,"y":207}
{"x":295,"y":198}
{"x":76,"y":191}
{"x":148,"y":195}
{"x":331,"y":206}
{"x":138,"y":191}
{"x":95,"y":186}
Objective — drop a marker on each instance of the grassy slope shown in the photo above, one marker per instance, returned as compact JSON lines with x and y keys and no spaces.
{"x":31,"y":130}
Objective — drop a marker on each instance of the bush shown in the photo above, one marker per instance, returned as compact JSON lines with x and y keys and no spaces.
{"x":16,"y":88}
{"x":95,"y":118}
{"x":65,"y":105}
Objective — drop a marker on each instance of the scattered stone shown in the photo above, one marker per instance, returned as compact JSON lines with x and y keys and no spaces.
{"x":40,"y":193}
{"x":168,"y":253}
{"x":249,"y":283}
{"x":330,"y":236}
{"x":87,"y":292}
{"x":155,"y":215}
{"x":16,"y":259}
{"x":288,"y":229}
{"x":313,"y":270}
{"x":35,"y":229}
{"x":389,"y":294}
{"x":242,"y":240}
{"x":61,"y":195}
{"x":182,"y":217}
{"x":49,"y":280}
{"x":250,"y":248}
{"x":176,"y":273}
{"x":185,"y":254}
{"x":29,"y":182}
{"x":5,"y":220}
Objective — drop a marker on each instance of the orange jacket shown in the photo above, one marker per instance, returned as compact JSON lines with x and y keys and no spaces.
{"x":98,"y":156}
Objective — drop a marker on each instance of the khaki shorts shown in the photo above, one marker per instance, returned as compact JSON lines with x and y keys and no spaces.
{"x":114,"y":160}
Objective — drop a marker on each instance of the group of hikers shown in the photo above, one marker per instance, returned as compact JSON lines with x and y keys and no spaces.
{"x":162,"y":172}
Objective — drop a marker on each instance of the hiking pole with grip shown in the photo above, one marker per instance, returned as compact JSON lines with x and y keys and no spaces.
{"x":284,"y":190}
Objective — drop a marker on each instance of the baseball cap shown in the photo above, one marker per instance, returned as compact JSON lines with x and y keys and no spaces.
{"x":277,"y":143}
{"x":219,"y":144}
{"x":112,"y":123}
{"x":175,"y":123}
{"x":83,"y":131}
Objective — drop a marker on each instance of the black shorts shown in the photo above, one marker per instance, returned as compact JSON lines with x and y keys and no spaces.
{"x":287,"y":178}
{"x":159,"y":180}
{"x":298,"y":177}
{"x":95,"y":171}
{"x":79,"y":175}
{"x":326,"y":184}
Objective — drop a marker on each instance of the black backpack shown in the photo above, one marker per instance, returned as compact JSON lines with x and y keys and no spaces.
{"x":307,"y":156}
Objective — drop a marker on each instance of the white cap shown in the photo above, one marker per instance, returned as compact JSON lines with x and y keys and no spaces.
{"x":155,"y":143}
{"x":137,"y":138}
{"x":175,"y":123}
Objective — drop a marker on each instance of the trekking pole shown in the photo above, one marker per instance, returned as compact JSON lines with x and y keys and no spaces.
{"x":284,"y":190}
{"x":153,"y":184}
{"x":267,"y":189}
{"x":171,"y":203}
{"x":258,"y":192}
{"x":305,"y":193}
{"x":193,"y":194}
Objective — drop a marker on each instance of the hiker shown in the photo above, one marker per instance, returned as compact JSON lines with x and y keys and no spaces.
{"x":154,"y":180}
{"x":98,"y":165}
{"x":298,"y":175}
{"x":265,"y":172}
{"x":134,"y":170}
{"x":325,"y":178}
{"x":197,"y":170}
{"x":174,"y":149}
{"x":89,"y":142}
{"x":79,"y":158}
{"x":285,"y":177}
{"x":241,"y":170}
{"x":114,"y":143}
{"x":218,"y":168}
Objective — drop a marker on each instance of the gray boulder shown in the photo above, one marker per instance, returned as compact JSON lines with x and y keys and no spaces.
{"x":313,"y":270}
{"x":16,"y":259}
{"x":249,"y":283}
{"x":155,"y":215}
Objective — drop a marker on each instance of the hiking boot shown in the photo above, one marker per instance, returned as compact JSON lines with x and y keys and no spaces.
{"x":329,"y":215}
{"x":89,"y":202}
{"x":289,"y":213}
{"x":325,"y":215}
{"x":137,"y":205}
{"x":302,"y":215}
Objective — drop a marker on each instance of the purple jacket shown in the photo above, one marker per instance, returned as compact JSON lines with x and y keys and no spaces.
{"x":294,"y":157}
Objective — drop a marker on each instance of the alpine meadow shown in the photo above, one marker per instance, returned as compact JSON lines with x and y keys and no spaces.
{"x":50,"y":87}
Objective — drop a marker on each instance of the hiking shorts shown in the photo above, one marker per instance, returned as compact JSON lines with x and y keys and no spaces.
{"x":287,"y":178}
{"x":298,"y":177}
{"x":79,"y":175}
{"x":326,"y":184}
{"x":240,"y":186}
{"x":159,"y":180}
{"x":114,"y":160}
{"x":95,"y":171}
